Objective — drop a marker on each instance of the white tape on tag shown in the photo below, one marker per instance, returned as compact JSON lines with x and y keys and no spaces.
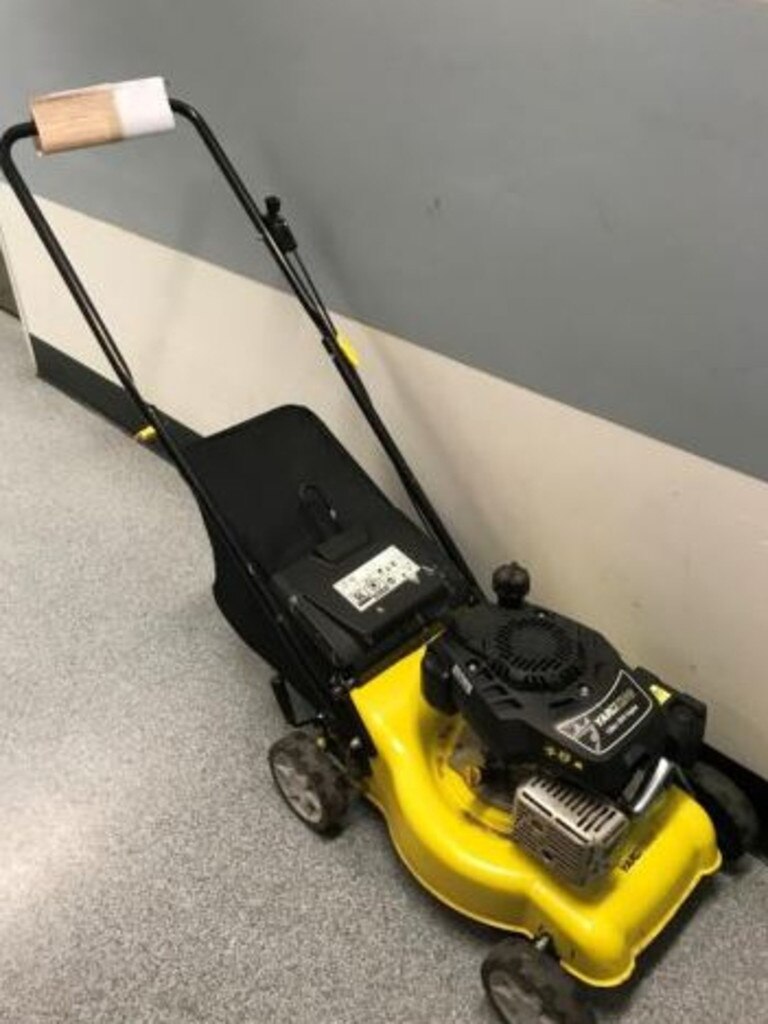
{"x":143,"y":107}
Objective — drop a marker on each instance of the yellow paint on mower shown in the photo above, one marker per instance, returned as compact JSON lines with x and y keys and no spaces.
{"x":458,"y":846}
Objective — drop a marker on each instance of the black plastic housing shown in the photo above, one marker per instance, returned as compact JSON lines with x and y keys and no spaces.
{"x":539,"y":688}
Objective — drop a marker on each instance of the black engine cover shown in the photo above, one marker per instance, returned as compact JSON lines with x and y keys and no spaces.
{"x":539,"y":688}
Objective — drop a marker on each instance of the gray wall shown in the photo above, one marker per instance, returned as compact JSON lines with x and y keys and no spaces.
{"x":573,"y":196}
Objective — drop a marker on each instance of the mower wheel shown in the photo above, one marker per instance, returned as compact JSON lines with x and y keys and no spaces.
{"x":309,"y":780}
{"x":526,"y":985}
{"x":735,"y":819}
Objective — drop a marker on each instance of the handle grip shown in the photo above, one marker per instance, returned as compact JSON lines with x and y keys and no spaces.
{"x":100,"y":114}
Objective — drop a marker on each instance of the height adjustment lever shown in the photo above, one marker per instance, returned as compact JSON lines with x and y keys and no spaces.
{"x":278,"y":226}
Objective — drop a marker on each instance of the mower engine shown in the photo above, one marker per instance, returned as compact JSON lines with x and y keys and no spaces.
{"x":575,"y":833}
{"x":558,"y":728}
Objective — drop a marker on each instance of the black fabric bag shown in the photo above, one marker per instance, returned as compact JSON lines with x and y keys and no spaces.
{"x":333,"y":546}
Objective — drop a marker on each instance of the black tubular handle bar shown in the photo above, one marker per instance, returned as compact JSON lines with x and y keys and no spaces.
{"x":255,"y":577}
{"x":329,"y":339}
{"x":318,"y":316}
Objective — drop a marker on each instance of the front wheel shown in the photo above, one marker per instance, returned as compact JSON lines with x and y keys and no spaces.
{"x":310,"y":781}
{"x":525,"y":985}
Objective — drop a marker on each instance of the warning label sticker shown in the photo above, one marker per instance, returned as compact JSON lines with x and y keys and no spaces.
{"x":377,"y":577}
{"x":610,"y":721}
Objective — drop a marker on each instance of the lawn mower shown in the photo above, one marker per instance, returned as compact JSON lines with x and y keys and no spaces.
{"x":530,"y":778}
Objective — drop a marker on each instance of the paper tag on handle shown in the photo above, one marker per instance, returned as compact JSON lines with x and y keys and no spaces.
{"x":100,"y":114}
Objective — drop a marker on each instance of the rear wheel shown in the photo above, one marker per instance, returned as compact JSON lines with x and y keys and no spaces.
{"x":310,"y":781}
{"x":525,"y":985}
{"x":735,"y":819}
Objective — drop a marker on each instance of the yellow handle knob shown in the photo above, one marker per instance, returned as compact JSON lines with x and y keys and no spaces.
{"x":349,"y":350}
{"x":146,"y":435}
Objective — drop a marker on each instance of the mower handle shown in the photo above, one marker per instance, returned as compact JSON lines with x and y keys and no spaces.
{"x":254,"y":576}
{"x":308,"y":298}
{"x":100,"y":114}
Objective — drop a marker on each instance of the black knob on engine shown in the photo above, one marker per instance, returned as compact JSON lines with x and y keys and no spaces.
{"x":511,"y":583}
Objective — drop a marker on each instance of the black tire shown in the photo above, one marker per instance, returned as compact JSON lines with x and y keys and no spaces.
{"x":736,"y":822}
{"x":309,"y":780}
{"x":526,"y":985}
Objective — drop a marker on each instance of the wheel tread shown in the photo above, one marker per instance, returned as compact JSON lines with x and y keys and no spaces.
{"x":733,"y":814}
{"x":326,"y":779}
{"x":536,"y":971}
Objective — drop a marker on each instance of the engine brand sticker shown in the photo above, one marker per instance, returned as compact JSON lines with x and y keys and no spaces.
{"x":611,"y":720}
{"x":377,"y":578}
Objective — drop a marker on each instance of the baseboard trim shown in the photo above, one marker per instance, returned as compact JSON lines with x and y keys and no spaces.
{"x":106,"y":397}
{"x":7,"y":298}
{"x":96,"y":392}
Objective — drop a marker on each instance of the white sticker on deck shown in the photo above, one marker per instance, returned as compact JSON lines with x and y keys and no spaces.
{"x":377,"y":578}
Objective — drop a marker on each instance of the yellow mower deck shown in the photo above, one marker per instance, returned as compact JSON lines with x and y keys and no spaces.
{"x":459,"y":849}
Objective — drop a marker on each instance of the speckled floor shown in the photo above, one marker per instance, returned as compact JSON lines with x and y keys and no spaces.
{"x":148,"y":871}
